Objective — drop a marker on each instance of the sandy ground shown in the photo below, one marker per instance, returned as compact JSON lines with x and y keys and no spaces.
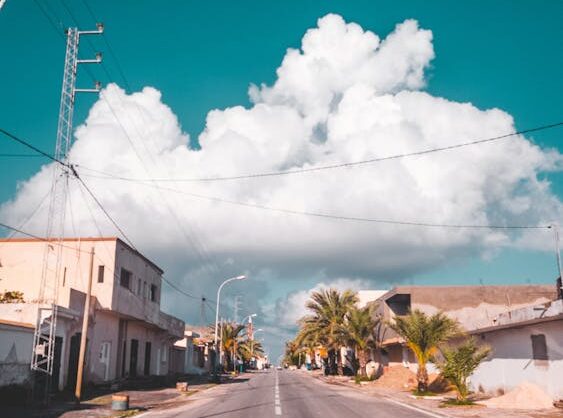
{"x":434,"y":405}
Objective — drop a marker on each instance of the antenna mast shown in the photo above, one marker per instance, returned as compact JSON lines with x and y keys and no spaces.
{"x":46,"y":325}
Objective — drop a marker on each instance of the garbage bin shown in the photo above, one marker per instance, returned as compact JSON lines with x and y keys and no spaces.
{"x":120,"y":402}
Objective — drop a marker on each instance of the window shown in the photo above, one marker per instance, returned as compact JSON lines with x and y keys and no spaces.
{"x":539,"y":347}
{"x":100,"y":274}
{"x":153,"y":292}
{"x":125,"y":279}
{"x":139,"y":287}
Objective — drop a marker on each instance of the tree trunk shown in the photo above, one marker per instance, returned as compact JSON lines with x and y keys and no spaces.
{"x":362,"y":361}
{"x":339,"y":366}
{"x":422,"y":377}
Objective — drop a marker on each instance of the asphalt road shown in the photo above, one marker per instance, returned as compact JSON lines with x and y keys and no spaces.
{"x":289,"y":394}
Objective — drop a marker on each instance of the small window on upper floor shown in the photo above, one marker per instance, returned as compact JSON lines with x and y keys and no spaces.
{"x":139,"y":288}
{"x":125,"y":279}
{"x":539,"y":347}
{"x":100,"y":274}
{"x":154,"y":290}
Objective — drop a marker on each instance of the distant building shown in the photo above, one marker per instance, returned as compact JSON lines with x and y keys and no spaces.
{"x":474,"y":307}
{"x":527,"y":345}
{"x":197,"y":345}
{"x":367,"y":296}
{"x":128,"y":334}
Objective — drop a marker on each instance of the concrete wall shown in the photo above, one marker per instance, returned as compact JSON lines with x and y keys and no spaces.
{"x":511,"y":361}
{"x":22,"y":263}
{"x":15,"y":352}
{"x":472,"y":306}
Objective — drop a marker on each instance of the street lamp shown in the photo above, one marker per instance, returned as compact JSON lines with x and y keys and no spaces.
{"x":217,"y":310}
{"x":249,"y":318}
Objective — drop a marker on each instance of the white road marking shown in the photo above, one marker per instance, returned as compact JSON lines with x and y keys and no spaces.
{"x":414,"y":408}
{"x":277,"y":403}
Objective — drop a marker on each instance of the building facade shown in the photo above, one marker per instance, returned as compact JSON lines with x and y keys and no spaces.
{"x":128,"y":334}
{"x":526,"y":346}
{"x":473,"y":307}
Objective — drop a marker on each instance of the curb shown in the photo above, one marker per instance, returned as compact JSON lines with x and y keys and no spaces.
{"x":388,"y":398}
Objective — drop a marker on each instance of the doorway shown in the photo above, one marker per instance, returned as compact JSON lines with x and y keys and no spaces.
{"x":133,"y":358}
{"x":147,"y":369}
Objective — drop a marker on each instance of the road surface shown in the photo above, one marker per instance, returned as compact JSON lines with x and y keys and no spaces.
{"x":291,"y":394}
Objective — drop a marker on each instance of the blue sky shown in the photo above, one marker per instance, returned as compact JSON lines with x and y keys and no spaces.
{"x":203,"y":56}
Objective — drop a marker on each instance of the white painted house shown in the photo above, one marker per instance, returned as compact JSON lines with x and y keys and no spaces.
{"x":527,"y":345}
{"x":128,"y":334}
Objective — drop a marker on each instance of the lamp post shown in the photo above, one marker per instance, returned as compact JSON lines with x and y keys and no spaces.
{"x":249,"y":318}
{"x":217,"y":313}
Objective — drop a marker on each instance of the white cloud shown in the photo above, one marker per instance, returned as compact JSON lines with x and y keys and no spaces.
{"x":345,"y":95}
{"x":291,"y":308}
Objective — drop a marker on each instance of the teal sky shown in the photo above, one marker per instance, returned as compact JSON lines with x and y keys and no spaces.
{"x":203,"y":55}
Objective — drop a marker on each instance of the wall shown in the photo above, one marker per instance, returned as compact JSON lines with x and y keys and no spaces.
{"x":22,"y":263}
{"x":511,"y":360}
{"x":15,"y":354}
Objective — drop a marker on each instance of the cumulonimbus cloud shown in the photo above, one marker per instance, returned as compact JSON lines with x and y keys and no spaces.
{"x":346,"y":95}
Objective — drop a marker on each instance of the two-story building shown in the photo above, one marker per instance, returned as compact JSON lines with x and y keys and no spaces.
{"x":128,"y":334}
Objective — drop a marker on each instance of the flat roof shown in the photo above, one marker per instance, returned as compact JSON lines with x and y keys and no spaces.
{"x":84,"y":239}
{"x":16,"y":324}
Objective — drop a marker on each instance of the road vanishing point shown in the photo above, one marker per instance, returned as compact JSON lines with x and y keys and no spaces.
{"x":291,"y":394}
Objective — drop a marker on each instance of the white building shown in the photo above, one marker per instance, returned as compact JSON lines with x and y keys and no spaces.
{"x":196,"y":345}
{"x":527,"y":345}
{"x":128,"y":334}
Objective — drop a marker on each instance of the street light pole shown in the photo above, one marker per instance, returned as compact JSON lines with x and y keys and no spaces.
{"x":217,"y":312}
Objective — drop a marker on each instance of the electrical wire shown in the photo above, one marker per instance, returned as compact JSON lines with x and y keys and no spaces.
{"x":85,"y":186}
{"x":57,"y":28}
{"x":354,"y":163}
{"x":333,"y":216}
{"x":33,"y":147}
{"x":20,"y":155}
{"x":105,"y":211}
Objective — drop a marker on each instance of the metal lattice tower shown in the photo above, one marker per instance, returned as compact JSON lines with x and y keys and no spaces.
{"x":46,"y":325}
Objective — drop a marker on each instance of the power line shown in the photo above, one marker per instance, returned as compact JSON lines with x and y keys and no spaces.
{"x":30,"y":146}
{"x":352,"y":163}
{"x":37,"y":237}
{"x":58,"y":28}
{"x":110,"y":49}
{"x":20,"y":155}
{"x":183,"y":292}
{"x":103,"y":209}
{"x":332,"y":216}
{"x":73,"y":171}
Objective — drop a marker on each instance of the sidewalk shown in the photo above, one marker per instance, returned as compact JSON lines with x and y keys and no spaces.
{"x":97,"y":405}
{"x":434,"y":405}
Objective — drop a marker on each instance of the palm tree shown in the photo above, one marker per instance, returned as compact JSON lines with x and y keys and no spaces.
{"x":248,"y":349}
{"x":460,"y":362}
{"x":326,"y":322}
{"x":230,"y":338}
{"x":423,"y":334}
{"x":292,"y":352}
{"x":360,"y":327}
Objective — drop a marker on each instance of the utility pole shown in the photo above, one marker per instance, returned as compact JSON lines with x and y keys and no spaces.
{"x":83,"y":337}
{"x":237,"y":303}
{"x":555,"y":228}
{"x":43,"y":352}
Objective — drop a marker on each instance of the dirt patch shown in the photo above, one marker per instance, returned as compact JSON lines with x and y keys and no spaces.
{"x":396,"y":377}
{"x":525,"y":396}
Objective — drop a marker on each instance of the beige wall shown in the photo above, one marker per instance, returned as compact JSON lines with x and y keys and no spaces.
{"x":22,"y":263}
{"x":21,"y":270}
